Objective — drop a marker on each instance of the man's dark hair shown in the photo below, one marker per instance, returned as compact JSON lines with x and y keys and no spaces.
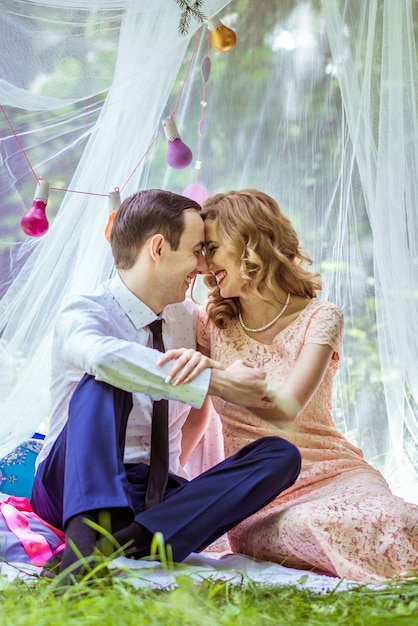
{"x":144,"y":214}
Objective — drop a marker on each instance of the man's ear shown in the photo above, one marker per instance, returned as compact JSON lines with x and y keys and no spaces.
{"x":156,"y":245}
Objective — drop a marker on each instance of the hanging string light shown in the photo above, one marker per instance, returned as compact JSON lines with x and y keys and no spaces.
{"x":178,"y":155}
{"x":114,"y":204}
{"x":223,"y":38}
{"x":196,"y":191}
{"x":35,"y":222}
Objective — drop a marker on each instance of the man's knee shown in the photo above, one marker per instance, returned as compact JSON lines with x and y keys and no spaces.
{"x":280,"y":452}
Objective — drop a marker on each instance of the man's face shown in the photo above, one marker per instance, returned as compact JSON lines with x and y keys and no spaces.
{"x":181,"y":265}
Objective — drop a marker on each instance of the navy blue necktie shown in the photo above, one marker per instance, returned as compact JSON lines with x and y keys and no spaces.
{"x":158,"y":474}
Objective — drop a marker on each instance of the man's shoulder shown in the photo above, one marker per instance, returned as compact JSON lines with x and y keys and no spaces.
{"x":97,"y":299}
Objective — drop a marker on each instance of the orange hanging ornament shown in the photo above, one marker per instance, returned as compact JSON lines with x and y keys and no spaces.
{"x":114,"y":204}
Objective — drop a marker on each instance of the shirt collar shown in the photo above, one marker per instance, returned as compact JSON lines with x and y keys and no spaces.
{"x":137,"y":311}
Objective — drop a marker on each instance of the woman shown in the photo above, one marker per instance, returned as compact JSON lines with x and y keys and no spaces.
{"x":340,"y":516}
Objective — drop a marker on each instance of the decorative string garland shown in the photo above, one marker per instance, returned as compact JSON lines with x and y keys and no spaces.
{"x":35,"y":223}
{"x":196,"y":191}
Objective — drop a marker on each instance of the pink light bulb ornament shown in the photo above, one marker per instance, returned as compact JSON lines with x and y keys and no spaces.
{"x":178,"y":155}
{"x":35,"y":223}
{"x":196,"y":192}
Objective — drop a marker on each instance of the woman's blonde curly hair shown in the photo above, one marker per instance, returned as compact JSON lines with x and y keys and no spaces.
{"x":253,"y":229}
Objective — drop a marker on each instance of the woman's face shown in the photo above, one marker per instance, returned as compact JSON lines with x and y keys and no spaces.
{"x":221,"y":263}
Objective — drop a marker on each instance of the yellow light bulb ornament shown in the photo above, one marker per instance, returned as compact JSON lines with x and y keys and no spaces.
{"x":222,"y":37}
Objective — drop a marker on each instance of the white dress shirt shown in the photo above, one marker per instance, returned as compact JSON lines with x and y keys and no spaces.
{"x":105,"y":334}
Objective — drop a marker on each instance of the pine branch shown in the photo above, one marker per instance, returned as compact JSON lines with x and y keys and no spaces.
{"x":190,"y":10}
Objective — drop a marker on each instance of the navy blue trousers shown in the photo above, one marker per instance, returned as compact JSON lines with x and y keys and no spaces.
{"x":84,"y":471}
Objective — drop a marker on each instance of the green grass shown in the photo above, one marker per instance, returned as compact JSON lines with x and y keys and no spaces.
{"x":111,"y":600}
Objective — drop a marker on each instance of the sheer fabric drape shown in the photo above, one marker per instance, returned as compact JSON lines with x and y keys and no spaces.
{"x":375,"y":57}
{"x":317,"y":105}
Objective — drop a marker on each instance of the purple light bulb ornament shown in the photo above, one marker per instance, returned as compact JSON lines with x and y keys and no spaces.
{"x":35,"y":223}
{"x":178,"y":155}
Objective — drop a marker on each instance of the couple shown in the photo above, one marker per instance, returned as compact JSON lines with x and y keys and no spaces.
{"x":268,"y":353}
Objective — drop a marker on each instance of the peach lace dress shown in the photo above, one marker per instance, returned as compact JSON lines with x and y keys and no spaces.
{"x":340,"y":516}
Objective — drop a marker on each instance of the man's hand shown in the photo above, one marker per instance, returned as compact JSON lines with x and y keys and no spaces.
{"x":240,"y":383}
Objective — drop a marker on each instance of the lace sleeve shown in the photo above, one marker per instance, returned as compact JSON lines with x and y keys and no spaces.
{"x":326,"y":326}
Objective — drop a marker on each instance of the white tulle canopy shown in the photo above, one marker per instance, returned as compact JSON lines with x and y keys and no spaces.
{"x":316,"y":105}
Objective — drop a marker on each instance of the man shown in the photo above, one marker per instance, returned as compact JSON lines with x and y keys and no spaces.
{"x":106,"y":381}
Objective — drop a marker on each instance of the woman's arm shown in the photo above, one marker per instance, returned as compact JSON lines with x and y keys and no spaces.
{"x":293,"y":396}
{"x":194,"y":428}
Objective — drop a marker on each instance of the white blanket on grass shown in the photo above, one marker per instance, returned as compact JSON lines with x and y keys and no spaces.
{"x":234,"y":568}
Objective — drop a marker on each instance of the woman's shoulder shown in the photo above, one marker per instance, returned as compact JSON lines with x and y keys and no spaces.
{"x":319,"y":303}
{"x":324,"y":323}
{"x":324,"y":308}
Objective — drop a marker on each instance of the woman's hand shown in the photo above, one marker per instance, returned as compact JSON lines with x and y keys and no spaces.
{"x":188,"y":363}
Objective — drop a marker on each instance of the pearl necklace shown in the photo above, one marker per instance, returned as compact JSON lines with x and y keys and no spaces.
{"x":258,"y":330}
